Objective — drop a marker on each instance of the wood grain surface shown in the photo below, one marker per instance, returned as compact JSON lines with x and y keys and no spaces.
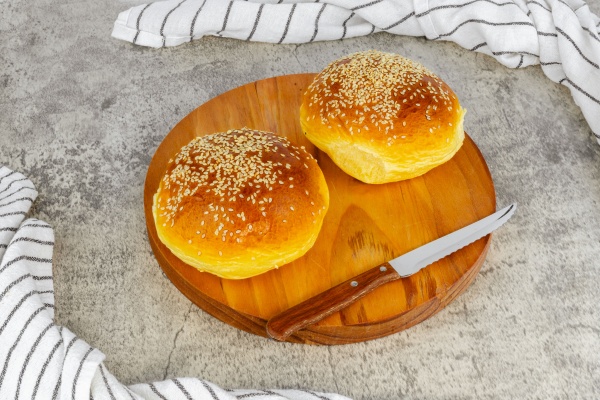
{"x":366,"y":225}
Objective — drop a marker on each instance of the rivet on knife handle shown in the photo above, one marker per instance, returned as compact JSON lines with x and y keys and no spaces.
{"x":338,"y":297}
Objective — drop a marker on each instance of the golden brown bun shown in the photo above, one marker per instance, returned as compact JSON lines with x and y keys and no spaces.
{"x":240,"y":203}
{"x":382,"y":117}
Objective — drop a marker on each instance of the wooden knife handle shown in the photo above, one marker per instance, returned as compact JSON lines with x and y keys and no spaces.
{"x":320,"y":306}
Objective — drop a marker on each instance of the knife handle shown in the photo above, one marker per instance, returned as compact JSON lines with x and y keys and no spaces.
{"x":324,"y":304}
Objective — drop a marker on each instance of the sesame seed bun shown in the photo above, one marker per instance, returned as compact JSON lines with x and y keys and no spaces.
{"x":239,"y":203}
{"x":382,"y":117}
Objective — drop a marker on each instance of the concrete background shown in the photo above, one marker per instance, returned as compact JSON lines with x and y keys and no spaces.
{"x":81,"y":114}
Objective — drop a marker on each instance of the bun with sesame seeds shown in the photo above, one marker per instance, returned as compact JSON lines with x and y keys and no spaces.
{"x":382,"y":117}
{"x":239,"y":203}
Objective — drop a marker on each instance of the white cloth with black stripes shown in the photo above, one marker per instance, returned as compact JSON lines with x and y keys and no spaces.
{"x":560,"y":35}
{"x":40,"y":360}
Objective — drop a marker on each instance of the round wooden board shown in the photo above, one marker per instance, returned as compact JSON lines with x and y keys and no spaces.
{"x":364,"y":226}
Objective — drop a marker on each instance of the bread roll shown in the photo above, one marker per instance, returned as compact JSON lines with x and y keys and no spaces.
{"x":382,"y":117}
{"x":240,"y":203}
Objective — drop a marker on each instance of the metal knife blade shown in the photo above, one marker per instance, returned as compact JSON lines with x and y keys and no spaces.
{"x":338,"y":297}
{"x":417,"y":259}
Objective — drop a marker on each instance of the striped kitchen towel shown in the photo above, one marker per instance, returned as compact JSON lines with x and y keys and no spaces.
{"x":560,"y":35}
{"x":40,"y":360}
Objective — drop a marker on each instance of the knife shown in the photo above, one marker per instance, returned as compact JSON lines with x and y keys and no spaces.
{"x":338,"y":297}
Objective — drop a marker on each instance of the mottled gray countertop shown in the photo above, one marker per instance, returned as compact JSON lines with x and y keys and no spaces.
{"x":82,"y":114}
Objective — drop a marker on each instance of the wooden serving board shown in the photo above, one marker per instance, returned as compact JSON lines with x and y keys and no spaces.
{"x":364,"y":226}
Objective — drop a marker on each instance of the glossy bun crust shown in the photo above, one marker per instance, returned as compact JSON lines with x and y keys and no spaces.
{"x":382,"y":117}
{"x":240,"y":203}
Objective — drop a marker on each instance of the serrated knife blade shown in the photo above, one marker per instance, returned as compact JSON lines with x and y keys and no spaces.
{"x":316,"y":308}
{"x":417,"y":259}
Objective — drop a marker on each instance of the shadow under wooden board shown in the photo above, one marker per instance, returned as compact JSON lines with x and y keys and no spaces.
{"x":364,"y":226}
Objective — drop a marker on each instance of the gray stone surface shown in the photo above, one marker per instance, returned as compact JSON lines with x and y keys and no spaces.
{"x":81,"y":115}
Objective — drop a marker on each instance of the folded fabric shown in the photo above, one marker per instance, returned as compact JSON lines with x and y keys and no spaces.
{"x":40,"y":360}
{"x":560,"y":35}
